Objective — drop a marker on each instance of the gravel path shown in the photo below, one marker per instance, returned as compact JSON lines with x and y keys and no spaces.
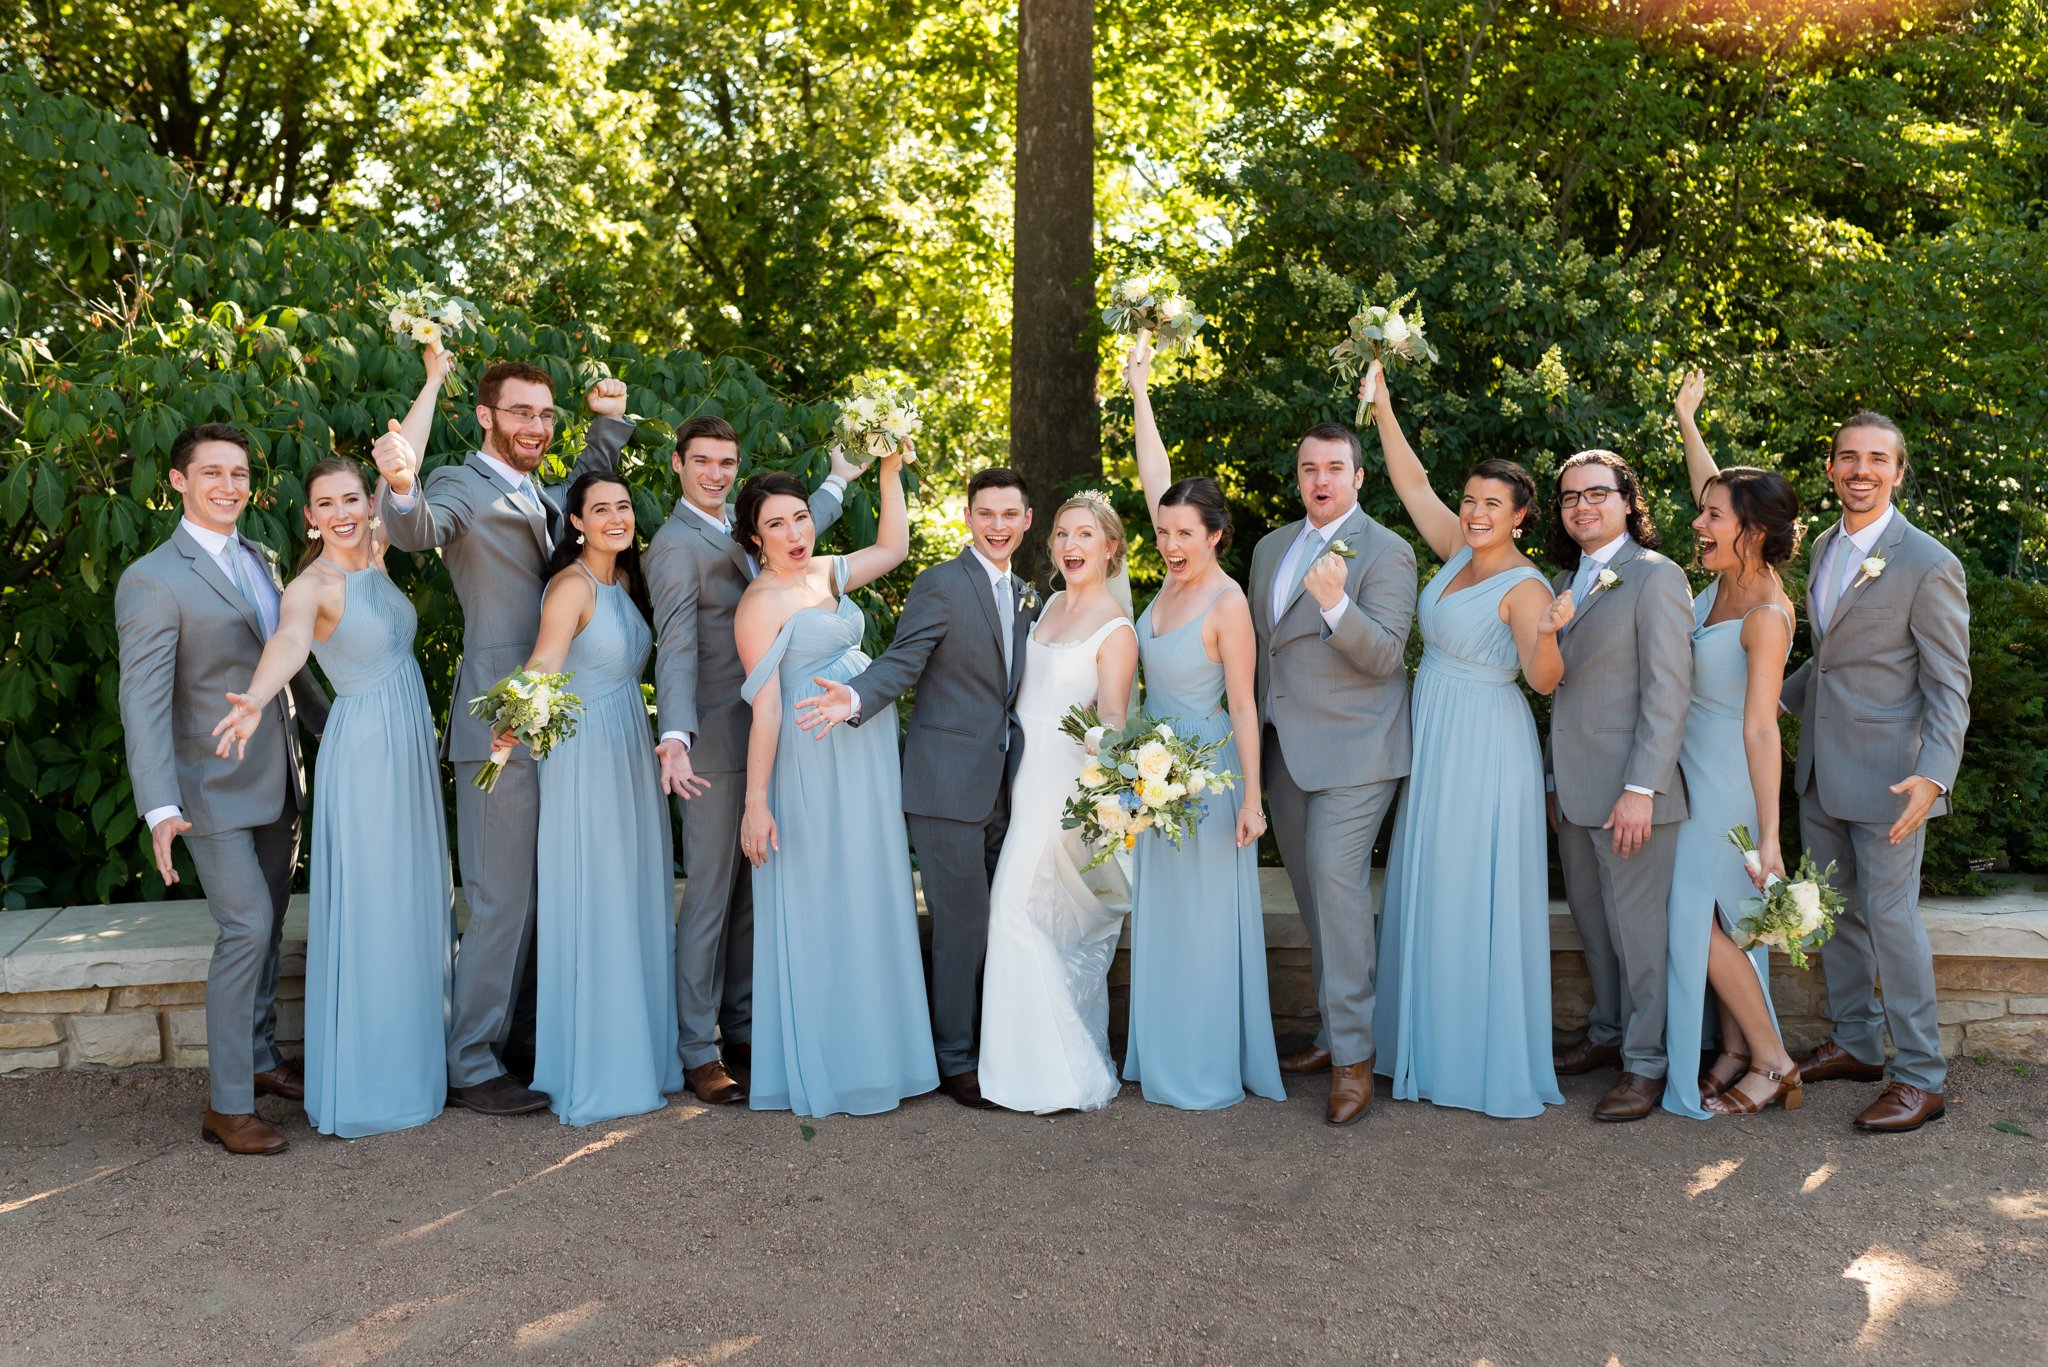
{"x":1138,"y":1234}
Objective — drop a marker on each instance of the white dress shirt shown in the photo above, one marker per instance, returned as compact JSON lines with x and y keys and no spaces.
{"x":1312,"y":542}
{"x":1846,"y":553}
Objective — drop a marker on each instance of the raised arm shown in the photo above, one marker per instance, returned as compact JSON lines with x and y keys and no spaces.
{"x":892,"y":536}
{"x":1430,"y":514}
{"x":284,"y":655}
{"x":1155,"y":470}
{"x":1699,"y":461}
{"x":1535,"y":618}
{"x":408,"y":521}
{"x":608,"y":432}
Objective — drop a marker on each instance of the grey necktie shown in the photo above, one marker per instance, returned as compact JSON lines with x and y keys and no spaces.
{"x":1006,"y":616}
{"x":530,"y":497}
{"x":1842,"y":555}
{"x":1583,"y":580}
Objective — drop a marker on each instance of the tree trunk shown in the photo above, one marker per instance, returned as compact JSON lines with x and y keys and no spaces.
{"x":1054,"y":437}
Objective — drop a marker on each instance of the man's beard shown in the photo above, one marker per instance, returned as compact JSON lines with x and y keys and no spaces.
{"x":504,"y":445}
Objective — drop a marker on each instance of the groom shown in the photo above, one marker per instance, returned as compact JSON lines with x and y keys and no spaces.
{"x":960,"y":642}
{"x":1334,"y":690}
{"x":495,"y":528}
{"x":1882,"y":706}
{"x":1617,"y":795}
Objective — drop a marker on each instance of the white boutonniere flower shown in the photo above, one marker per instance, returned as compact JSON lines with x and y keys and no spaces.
{"x":1338,"y":548}
{"x":1871,"y":568}
{"x":1603,"y":581}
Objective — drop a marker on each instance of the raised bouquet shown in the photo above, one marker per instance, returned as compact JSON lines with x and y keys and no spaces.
{"x":879,"y":418}
{"x":1148,"y":303}
{"x":1379,"y":333}
{"x":424,"y":317}
{"x":536,"y":708}
{"x":1142,"y":778}
{"x":1797,"y":914}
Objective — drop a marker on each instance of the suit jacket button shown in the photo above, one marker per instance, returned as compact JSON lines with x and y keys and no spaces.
{"x":1823,"y":669}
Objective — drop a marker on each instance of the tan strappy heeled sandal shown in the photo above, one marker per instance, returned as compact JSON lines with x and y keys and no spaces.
{"x":1711,"y":1086}
{"x":1790,"y":1094}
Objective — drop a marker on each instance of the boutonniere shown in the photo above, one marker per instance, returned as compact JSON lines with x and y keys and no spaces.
{"x":1872,"y":566}
{"x":1027,"y":598}
{"x":1338,"y":548}
{"x":1606,"y":579}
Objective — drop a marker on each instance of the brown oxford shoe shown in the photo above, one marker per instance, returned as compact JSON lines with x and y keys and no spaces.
{"x":1309,"y":1060}
{"x":1631,"y":1098}
{"x":1900,"y":1108}
{"x":965,"y":1088}
{"x":1584,"y":1057}
{"x":710,"y":1082}
{"x":248,"y":1134}
{"x":286,"y":1080}
{"x":1350,"y":1092}
{"x":1832,"y":1061}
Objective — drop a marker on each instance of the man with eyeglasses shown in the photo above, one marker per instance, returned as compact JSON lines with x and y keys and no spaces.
{"x":1616,"y":794}
{"x":495,"y":526}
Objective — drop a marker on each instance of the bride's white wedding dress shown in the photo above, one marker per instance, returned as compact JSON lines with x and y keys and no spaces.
{"x":1052,"y":929}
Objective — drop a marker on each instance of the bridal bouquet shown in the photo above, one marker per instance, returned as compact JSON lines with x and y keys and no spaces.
{"x":1382,"y":334}
{"x":1145,"y":303}
{"x":877,"y":419}
{"x":1796,"y":915}
{"x":1144,"y":778}
{"x":423,"y":317}
{"x":533,"y":707}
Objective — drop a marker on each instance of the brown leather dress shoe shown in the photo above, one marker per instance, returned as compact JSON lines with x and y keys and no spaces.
{"x":249,"y":1134}
{"x":1901,"y":1107}
{"x":1350,"y":1092}
{"x":710,"y":1082}
{"x":1631,"y":1098}
{"x":965,"y":1088}
{"x":1584,"y":1057}
{"x":286,"y":1080}
{"x":1832,"y":1061}
{"x":1309,"y":1060}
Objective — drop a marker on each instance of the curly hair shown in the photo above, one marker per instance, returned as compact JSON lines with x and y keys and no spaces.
{"x":1565,"y":551}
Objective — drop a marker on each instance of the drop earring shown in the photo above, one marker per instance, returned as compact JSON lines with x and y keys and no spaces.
{"x":579,"y":538}
{"x":312,"y":533}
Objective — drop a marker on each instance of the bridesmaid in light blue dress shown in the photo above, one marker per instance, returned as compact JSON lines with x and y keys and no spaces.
{"x":1201,"y":1024}
{"x":381,"y":931}
{"x":1462,"y":1016}
{"x":605,"y":1006}
{"x":840,"y":1016}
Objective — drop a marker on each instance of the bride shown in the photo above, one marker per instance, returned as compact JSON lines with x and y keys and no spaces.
{"x":1053,"y":929}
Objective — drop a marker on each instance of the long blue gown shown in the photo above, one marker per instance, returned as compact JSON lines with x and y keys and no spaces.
{"x":381,"y":935}
{"x":1201,"y":1025}
{"x":1708,"y":876}
{"x":1463,"y":1013}
{"x":840,"y":1020}
{"x":605,"y":993}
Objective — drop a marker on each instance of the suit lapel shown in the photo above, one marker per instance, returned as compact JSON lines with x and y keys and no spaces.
{"x":977,"y":583}
{"x":1596,"y":596}
{"x":536,"y":521}
{"x":1264,"y":569}
{"x":716,"y":540}
{"x":1887,"y":545}
{"x":207,"y":568}
{"x":1819,"y":562}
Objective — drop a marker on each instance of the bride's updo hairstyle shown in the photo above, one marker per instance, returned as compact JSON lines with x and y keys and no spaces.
{"x":1200,"y":493}
{"x":1763,"y":501}
{"x":746,"y":511}
{"x":1107,"y":522}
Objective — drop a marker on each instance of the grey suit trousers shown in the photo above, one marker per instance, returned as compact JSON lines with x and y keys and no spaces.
{"x":956,"y":862}
{"x":247,"y":875}
{"x":1879,"y":937}
{"x":714,"y":924}
{"x":1326,"y":841}
{"x":1619,"y":906}
{"x":495,"y":838}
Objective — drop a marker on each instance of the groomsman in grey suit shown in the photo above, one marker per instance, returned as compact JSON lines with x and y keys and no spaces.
{"x":1882,"y":706}
{"x":960,"y":642}
{"x":696,"y":572}
{"x":192,"y":617}
{"x":1333,"y":687}
{"x":1617,"y":795}
{"x":495,"y":527}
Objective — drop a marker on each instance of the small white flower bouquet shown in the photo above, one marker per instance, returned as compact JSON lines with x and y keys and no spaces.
{"x":424,"y":317}
{"x":1383,"y":334}
{"x":1796,"y":915}
{"x":878,"y":418}
{"x":536,"y":708}
{"x":1147,"y":303}
{"x":1146,"y":778}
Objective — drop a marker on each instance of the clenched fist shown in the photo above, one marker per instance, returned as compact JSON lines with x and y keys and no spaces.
{"x":396,"y":460}
{"x":607,"y":399}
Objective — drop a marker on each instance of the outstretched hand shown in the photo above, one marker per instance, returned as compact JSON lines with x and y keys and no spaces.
{"x":236,"y":727}
{"x":1690,"y":392}
{"x":826,"y":710}
{"x":396,"y":460}
{"x":1557,"y":615}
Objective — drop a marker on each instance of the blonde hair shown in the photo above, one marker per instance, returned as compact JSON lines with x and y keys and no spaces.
{"x":1106,"y":521}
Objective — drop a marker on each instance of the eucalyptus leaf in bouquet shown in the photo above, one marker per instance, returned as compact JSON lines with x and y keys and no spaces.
{"x":1154,"y":304}
{"x":1380,"y":333}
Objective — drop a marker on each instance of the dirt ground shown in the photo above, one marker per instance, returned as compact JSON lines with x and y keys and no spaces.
{"x":935,"y":1234}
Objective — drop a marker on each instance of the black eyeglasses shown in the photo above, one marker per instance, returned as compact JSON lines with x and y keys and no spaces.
{"x":527,"y":417}
{"x":1596,"y":496}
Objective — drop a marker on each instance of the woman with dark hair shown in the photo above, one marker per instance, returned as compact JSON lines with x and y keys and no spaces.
{"x":604,"y":992}
{"x":1462,"y":1011}
{"x":381,"y":931}
{"x":1747,"y":530}
{"x":1201,"y":1026}
{"x":840,"y":1020}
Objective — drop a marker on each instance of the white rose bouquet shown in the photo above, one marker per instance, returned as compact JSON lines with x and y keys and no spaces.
{"x":422,"y":317}
{"x":1797,"y":914}
{"x":878,"y":418}
{"x":535,"y":708}
{"x":1147,"y":303}
{"x":1145,"y":778}
{"x":1380,"y":333}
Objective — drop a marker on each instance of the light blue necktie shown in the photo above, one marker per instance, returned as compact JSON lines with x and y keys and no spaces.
{"x":239,"y":572}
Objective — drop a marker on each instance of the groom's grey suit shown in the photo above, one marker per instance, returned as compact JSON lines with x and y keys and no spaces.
{"x":1885,"y":695}
{"x":696,"y":573}
{"x":959,"y":752}
{"x":495,"y":547}
{"x":188,"y":636}
{"x":1336,"y":747}
{"x":1616,"y":722}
